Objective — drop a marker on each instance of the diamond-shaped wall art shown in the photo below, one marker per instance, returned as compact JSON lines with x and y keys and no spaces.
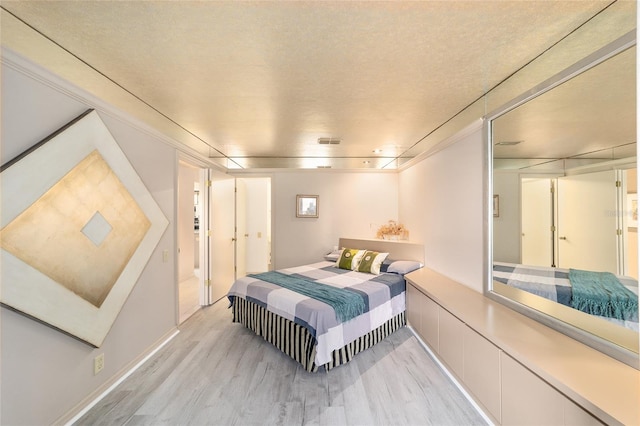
{"x":77,"y":228}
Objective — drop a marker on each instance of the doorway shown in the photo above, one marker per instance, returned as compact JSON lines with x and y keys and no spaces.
{"x":189,"y":209}
{"x":224,"y":232}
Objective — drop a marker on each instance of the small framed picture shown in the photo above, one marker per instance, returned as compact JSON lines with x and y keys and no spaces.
{"x":496,"y":206}
{"x":307,"y":205}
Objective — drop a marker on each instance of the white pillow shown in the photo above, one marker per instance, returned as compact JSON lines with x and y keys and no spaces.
{"x":333,"y":256}
{"x":403,"y":266}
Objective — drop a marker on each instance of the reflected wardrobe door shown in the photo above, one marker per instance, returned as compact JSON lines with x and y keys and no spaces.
{"x":537,"y":222}
{"x":587,"y":223}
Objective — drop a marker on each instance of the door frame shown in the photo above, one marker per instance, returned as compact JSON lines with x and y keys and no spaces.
{"x":205,"y":171}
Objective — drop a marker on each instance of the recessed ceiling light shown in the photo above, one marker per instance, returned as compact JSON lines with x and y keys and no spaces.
{"x":366,"y":162}
{"x":377,"y":151}
{"x":508,"y":143}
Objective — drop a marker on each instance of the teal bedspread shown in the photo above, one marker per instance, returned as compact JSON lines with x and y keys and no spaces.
{"x":601,"y":293}
{"x":347,"y":304}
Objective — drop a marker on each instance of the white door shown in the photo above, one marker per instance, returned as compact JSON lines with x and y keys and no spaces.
{"x":241,"y":228}
{"x":587,"y":222}
{"x":205,"y":241}
{"x":537,"y":221}
{"x":258,"y":221}
{"x":222,"y":240}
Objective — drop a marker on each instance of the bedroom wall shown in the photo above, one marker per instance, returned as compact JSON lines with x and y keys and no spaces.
{"x":45,"y":373}
{"x":440,"y":201}
{"x":352,"y":204}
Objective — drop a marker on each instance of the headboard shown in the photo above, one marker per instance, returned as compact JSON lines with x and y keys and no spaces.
{"x":398,"y":250}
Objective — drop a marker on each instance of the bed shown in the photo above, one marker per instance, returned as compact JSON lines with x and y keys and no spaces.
{"x":618,"y":304}
{"x":323,"y":314}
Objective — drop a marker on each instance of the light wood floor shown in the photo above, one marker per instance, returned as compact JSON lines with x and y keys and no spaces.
{"x":218,"y":373}
{"x":188,"y":295}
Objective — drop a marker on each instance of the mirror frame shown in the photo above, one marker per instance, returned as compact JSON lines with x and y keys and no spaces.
{"x":523,"y":305}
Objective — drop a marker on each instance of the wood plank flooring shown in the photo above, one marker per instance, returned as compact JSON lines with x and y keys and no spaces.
{"x":218,"y":373}
{"x":189,"y":297}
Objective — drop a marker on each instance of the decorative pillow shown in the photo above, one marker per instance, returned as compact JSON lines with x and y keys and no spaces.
{"x":403,"y":266}
{"x":349,"y":259}
{"x":333,"y":256}
{"x":371,"y":261}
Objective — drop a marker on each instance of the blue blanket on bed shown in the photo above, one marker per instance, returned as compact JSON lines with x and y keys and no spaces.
{"x":601,"y":293}
{"x":347,"y":304}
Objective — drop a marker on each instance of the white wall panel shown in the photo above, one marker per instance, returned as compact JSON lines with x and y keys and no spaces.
{"x":439,"y":201}
{"x":352,"y":204}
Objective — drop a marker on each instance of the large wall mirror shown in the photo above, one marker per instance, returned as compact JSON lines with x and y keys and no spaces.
{"x":563,"y":160}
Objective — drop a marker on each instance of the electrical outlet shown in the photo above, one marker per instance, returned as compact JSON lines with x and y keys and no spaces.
{"x":98,"y":364}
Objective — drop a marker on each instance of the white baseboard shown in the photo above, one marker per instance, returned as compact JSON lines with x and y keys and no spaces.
{"x":86,"y":404}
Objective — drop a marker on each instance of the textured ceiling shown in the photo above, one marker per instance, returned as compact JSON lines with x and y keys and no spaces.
{"x":593,"y":115}
{"x":255,"y":84}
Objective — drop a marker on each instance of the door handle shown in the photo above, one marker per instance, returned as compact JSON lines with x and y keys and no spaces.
{"x":562,"y":238}
{"x":233,"y":239}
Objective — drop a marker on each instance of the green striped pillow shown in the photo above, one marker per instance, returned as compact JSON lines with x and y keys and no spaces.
{"x":371,"y":261}
{"x":349,"y":259}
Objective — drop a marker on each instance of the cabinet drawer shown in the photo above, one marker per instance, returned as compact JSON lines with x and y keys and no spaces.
{"x":414,"y":312}
{"x":450,"y":341}
{"x":527,"y":399}
{"x":430,"y":322}
{"x":482,"y":371}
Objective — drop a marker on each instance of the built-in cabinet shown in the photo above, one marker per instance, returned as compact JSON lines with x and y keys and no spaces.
{"x":482,"y":370}
{"x":482,"y":350}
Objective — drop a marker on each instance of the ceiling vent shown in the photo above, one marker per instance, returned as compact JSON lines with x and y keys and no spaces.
{"x":329,"y":141}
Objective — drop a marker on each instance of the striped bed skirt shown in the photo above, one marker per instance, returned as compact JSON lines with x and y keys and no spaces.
{"x":297,"y":342}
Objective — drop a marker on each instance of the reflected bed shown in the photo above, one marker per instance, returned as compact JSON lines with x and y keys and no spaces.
{"x":555,"y":284}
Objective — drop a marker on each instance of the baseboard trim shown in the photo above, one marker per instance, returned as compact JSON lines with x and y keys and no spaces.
{"x":453,"y":378}
{"x":94,"y":397}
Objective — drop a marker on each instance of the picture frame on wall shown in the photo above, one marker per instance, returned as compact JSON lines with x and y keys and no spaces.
{"x":496,"y":206}
{"x":307,"y":206}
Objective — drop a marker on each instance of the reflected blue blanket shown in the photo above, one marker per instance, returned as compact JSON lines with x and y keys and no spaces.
{"x":554,"y":284}
{"x":601,"y":293}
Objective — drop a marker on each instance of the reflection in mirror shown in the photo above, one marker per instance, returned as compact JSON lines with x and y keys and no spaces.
{"x":565,"y":244}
